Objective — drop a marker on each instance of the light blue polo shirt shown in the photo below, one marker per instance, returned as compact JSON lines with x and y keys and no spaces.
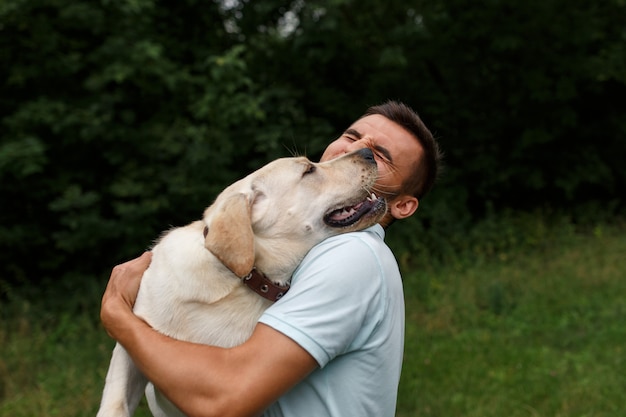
{"x":346,"y":308}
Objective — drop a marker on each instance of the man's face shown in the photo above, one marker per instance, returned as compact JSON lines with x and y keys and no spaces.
{"x":395,"y":149}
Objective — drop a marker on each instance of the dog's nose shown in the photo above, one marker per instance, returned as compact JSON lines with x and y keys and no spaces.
{"x":366,"y":154}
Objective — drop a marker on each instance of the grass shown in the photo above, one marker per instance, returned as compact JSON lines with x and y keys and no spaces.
{"x":52,"y":364}
{"x":524,"y":330}
{"x":49,"y":368}
{"x":538,"y":334}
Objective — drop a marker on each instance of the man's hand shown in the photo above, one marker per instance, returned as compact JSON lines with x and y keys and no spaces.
{"x":121,"y":292}
{"x":179,"y":369}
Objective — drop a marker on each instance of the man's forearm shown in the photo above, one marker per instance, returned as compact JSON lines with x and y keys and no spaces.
{"x":168,"y":363}
{"x":211,"y":381}
{"x":184,"y":376}
{"x":202,"y":380}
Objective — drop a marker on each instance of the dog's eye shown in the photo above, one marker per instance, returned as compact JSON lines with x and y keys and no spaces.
{"x":309,"y":170}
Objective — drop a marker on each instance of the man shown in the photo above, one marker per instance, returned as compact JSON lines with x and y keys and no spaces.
{"x":333,"y":345}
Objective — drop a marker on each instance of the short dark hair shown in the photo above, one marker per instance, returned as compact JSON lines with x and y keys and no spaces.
{"x":427,"y":169}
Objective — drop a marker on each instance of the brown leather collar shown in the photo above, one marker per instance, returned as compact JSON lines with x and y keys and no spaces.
{"x":260,"y":284}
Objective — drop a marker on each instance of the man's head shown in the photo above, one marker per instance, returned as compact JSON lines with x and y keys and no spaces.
{"x":408,"y":156}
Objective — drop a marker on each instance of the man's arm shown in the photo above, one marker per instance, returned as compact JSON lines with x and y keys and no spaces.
{"x":203,"y":380}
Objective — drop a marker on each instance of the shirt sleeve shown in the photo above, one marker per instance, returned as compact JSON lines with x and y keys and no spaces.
{"x":335,"y":291}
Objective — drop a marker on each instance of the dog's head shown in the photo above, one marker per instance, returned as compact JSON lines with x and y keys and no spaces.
{"x":290,"y":205}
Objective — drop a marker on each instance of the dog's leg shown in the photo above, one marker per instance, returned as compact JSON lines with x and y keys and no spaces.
{"x":123,"y":388}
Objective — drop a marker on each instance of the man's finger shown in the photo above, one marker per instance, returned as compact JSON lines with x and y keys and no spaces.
{"x":134,"y":265}
{"x":144,"y":260}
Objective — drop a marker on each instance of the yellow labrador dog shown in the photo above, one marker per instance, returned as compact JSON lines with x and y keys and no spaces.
{"x":211,"y":280}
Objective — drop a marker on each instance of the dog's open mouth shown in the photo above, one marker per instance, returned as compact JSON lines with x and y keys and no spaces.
{"x":348,"y":215}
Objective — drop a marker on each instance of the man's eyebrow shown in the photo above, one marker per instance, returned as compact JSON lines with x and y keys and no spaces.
{"x":381,"y":149}
{"x":353,"y":132}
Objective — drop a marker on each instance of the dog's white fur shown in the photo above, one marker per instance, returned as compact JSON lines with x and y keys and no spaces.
{"x":269,"y":220}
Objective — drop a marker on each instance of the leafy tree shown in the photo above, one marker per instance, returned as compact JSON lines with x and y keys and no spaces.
{"x":530,"y":88}
{"x":118,"y":118}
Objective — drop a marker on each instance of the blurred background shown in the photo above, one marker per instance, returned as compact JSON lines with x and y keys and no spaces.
{"x":119,"y":119}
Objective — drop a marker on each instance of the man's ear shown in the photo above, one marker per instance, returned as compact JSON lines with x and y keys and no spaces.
{"x":230,"y":237}
{"x":403,"y":206}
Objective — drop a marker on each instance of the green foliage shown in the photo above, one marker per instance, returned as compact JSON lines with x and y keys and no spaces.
{"x":121,"y":118}
{"x":117,"y":130}
{"x":528,"y":99}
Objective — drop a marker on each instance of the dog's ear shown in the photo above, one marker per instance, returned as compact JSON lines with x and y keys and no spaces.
{"x":230,"y":237}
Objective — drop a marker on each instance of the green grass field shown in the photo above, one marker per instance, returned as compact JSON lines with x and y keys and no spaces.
{"x":522,"y":332}
{"x":537,"y":335}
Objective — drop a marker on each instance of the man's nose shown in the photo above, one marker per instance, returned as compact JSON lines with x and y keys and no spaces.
{"x":356,"y":145}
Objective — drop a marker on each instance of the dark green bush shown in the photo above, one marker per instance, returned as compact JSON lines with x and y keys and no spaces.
{"x":121,"y":118}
